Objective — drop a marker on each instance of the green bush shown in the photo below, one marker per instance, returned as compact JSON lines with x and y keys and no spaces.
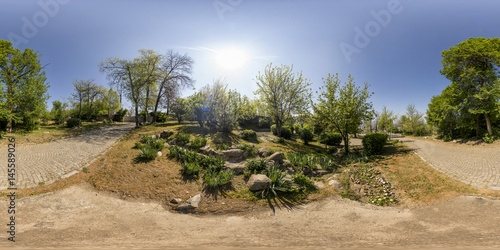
{"x":73,"y":122}
{"x":274,"y":130}
{"x":306,"y":134}
{"x":330,"y":139}
{"x":157,"y":144}
{"x":119,"y":115}
{"x":278,"y":183}
{"x":249,"y":149}
{"x":137,"y":145}
{"x":303,"y":181}
{"x":286,"y":132}
{"x":373,"y":143}
{"x":488,"y":139}
{"x":256,"y":165}
{"x":221,"y":146}
{"x":161,"y":117}
{"x":214,"y":179}
{"x":147,"y":153}
{"x":264,"y":122}
{"x":296,"y":128}
{"x":183,"y":138}
{"x":191,"y":169}
{"x":198,"y":142}
{"x":248,"y":135}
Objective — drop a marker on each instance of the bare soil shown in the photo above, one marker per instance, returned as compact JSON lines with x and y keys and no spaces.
{"x":82,"y":217}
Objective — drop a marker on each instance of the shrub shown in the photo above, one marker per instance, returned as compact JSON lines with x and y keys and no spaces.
{"x":119,"y":115}
{"x":249,"y":135}
{"x":286,"y":132}
{"x":488,"y":139}
{"x":303,"y":180}
{"x":274,"y":130}
{"x":157,"y":144}
{"x":373,"y":143}
{"x":281,"y":140}
{"x":248,"y":149}
{"x":183,"y":138}
{"x":327,"y":163}
{"x":264,"y":122}
{"x":72,"y":122}
{"x":296,"y":128}
{"x":216,"y":179}
{"x":137,"y":145}
{"x":199,"y":142}
{"x":221,"y":146}
{"x":306,"y":134}
{"x":191,"y":169}
{"x":147,"y":153}
{"x":161,"y":117}
{"x":330,"y":139}
{"x":256,"y":165}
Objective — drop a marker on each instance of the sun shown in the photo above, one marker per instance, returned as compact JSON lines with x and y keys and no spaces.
{"x":231,"y":59}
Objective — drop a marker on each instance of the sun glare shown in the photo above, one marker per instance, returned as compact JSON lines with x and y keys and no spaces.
{"x":231,"y":59}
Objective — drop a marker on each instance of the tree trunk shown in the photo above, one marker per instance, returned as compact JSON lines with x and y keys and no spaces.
{"x":488,"y":124}
{"x":136,"y":115}
{"x":158,"y":102}
{"x":477,"y":128}
{"x":346,"y":143}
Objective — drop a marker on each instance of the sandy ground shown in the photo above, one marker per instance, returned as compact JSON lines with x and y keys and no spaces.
{"x":79,"y":217}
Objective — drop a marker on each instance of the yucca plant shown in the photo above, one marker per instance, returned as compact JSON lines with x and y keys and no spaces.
{"x":184,"y":138}
{"x":157,"y":144}
{"x":214,"y":179}
{"x":138,"y":145}
{"x":147,"y":153}
{"x":146,"y":139}
{"x":256,"y":165}
{"x":303,"y":180}
{"x":199,"y":142}
{"x":327,"y":163}
{"x":191,"y":169}
{"x":278,"y":183}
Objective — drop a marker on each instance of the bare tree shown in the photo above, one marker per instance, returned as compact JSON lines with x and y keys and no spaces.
{"x":175,"y":75}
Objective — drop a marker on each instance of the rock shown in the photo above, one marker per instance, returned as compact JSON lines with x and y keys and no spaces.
{"x":454,"y":141}
{"x":307,"y":171}
{"x":173,"y":142}
{"x":166,"y":145}
{"x":188,"y":145}
{"x":159,"y":153}
{"x":232,"y":154}
{"x":277,"y":157}
{"x":336,"y":184}
{"x":269,"y":164}
{"x":258,"y":182}
{"x":204,"y":149}
{"x":238,"y":168}
{"x":191,"y":203}
{"x":264,"y":152}
{"x":319,"y":184}
{"x":166,"y":134}
{"x":176,"y":200}
{"x":153,"y":136}
{"x":46,"y":132}
{"x":320,"y":172}
{"x":335,"y":177}
{"x":212,"y":152}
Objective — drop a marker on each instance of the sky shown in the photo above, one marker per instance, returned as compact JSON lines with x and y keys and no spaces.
{"x":393,"y":45}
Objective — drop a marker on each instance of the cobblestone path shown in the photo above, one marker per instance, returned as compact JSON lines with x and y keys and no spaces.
{"x":475,"y":165}
{"x":59,"y":159}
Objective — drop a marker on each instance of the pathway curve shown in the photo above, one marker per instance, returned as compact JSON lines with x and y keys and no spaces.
{"x":475,"y":165}
{"x":59,"y":159}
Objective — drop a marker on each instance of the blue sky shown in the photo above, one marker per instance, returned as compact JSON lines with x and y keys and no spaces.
{"x":400,"y":58}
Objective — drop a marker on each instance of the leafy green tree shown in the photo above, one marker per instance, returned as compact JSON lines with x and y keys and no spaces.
{"x":133,"y":75}
{"x":283,"y":93}
{"x":343,"y":107}
{"x":443,"y":113}
{"x":58,"y":111}
{"x":387,"y":119}
{"x":198,"y":106}
{"x":180,"y":108}
{"x":246,"y":108}
{"x":473,"y":66}
{"x":222,"y":107}
{"x":413,"y":120}
{"x":23,"y":86}
{"x":110,"y":102}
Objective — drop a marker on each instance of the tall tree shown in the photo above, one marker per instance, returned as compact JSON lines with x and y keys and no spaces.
{"x":222,"y":110}
{"x":133,"y":75}
{"x":343,"y":107}
{"x":23,"y":85}
{"x":175,"y":75}
{"x":387,"y":119}
{"x":283,"y":93}
{"x":474,"y":66}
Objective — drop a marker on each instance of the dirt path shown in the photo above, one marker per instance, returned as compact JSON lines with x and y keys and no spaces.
{"x":475,"y":165}
{"x":51,"y":161}
{"x":81,"y":217}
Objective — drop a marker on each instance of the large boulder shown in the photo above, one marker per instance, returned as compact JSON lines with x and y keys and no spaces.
{"x":232,"y":154}
{"x":258,"y":182}
{"x":276,"y":157}
{"x":190,"y":204}
{"x":166,"y":134}
{"x":264,"y":152}
{"x":238,"y":168}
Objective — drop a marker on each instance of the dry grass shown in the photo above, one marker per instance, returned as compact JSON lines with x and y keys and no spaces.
{"x":51,"y":132}
{"x":417,"y":183}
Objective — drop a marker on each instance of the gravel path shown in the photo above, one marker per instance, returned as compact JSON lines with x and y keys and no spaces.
{"x":475,"y":165}
{"x":59,"y":159}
